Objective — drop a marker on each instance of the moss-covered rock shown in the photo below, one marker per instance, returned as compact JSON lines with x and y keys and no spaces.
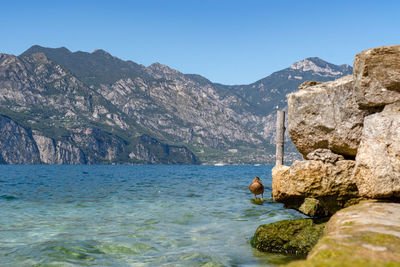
{"x":367,"y":234}
{"x":288,"y":236}
{"x":312,"y":207}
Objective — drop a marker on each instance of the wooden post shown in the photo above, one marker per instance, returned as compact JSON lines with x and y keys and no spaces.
{"x":280,"y":136}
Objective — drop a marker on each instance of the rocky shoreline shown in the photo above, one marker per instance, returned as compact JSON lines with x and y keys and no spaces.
{"x":348,"y":132}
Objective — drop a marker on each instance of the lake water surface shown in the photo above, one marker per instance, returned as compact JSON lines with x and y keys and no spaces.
{"x":133,"y":216}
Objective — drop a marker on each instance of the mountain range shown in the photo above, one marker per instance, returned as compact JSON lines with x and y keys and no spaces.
{"x":63,"y":107}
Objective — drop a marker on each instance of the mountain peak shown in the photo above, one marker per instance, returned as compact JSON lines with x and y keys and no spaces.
{"x":310,"y":63}
{"x":317,"y":65}
{"x":101,"y":52}
{"x":158,"y":66}
{"x":160,"y":69}
{"x":98,"y":67}
{"x":41,"y":49}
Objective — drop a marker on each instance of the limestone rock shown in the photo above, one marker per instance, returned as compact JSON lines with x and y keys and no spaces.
{"x":331,"y":184}
{"x":307,"y":84}
{"x":366,"y":234}
{"x":58,"y":152}
{"x":46,"y":147}
{"x":377,"y":171}
{"x":377,"y":76}
{"x":277,"y":170}
{"x":312,"y":207}
{"x":16,"y":143}
{"x":324,"y":155}
{"x":326,"y":115}
{"x":288,"y":236}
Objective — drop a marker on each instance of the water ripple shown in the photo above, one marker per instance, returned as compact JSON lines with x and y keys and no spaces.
{"x":8,"y":197}
{"x":132,"y":215}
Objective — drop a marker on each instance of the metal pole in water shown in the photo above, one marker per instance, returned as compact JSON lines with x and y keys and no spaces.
{"x":280,"y":136}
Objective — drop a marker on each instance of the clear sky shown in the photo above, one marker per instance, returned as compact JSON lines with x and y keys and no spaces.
{"x":227,"y":41}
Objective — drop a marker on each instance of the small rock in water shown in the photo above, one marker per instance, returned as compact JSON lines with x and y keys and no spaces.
{"x":257,"y":201}
{"x":288,"y":236}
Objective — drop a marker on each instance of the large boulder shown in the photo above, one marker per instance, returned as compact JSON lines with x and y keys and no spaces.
{"x":377,"y":76}
{"x":366,"y":234}
{"x":326,"y":115}
{"x":288,"y":236}
{"x":315,"y":187}
{"x":377,"y":171}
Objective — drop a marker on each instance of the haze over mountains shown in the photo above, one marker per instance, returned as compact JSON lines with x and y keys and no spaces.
{"x":59,"y":107}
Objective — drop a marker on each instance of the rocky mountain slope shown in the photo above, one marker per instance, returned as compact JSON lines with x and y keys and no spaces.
{"x":87,"y":108}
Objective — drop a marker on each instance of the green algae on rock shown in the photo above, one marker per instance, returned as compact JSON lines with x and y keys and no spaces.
{"x":288,"y":236}
{"x":257,"y":201}
{"x":311,"y":206}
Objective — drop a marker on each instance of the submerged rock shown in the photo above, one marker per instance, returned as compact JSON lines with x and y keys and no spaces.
{"x":366,"y":234}
{"x":288,"y":236}
{"x":332,"y":186}
{"x":377,"y":172}
{"x":326,"y":115}
{"x":377,"y":76}
{"x":257,"y":201}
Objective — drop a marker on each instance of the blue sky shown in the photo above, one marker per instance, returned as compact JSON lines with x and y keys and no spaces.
{"x":230,"y":42}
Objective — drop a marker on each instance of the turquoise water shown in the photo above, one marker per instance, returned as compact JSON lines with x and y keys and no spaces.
{"x":133,"y":216}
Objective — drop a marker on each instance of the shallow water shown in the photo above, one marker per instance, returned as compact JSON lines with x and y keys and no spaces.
{"x":133,"y":216}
